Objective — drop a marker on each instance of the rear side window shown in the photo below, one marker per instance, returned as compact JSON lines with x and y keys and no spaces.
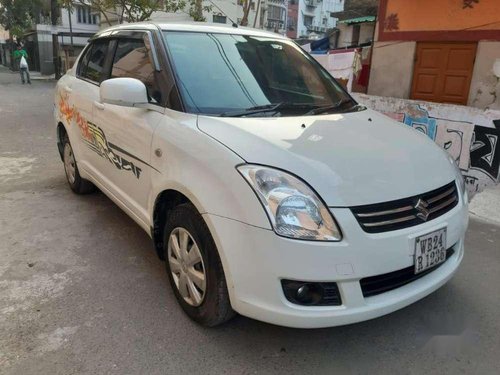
{"x":133,"y":60}
{"x":92,"y":63}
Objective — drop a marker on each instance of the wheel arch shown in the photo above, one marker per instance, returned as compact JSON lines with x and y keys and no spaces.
{"x":165,"y":201}
{"x":61,"y":132}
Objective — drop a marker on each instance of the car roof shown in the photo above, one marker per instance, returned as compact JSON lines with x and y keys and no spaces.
{"x":204,"y":27}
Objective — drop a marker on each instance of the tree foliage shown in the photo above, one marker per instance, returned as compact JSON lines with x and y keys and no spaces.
{"x":194,"y":8}
{"x":119,"y":11}
{"x":17,"y":16}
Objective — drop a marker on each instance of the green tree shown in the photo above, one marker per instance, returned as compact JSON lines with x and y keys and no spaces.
{"x":194,"y":8}
{"x":18,"y":16}
{"x":139,"y":10}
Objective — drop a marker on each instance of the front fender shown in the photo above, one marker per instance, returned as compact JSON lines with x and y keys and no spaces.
{"x":203,"y":170}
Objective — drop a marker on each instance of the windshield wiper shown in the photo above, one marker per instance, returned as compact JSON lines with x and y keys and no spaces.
{"x":335,"y":106}
{"x":272,"y":107}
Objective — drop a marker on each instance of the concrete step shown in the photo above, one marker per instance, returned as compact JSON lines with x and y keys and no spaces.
{"x":486,"y":204}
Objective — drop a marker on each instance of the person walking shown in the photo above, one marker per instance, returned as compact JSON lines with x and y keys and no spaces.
{"x":21,"y":55}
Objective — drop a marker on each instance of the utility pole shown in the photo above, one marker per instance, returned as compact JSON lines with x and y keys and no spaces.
{"x":70,"y":29}
{"x":54,"y":12}
{"x":256,"y":14}
{"x":246,"y":10}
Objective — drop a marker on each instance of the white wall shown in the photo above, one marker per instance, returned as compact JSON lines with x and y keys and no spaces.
{"x":321,"y":10}
{"x":76,"y":26}
{"x":485,"y":86}
{"x":230,"y":8}
{"x":366,"y":32}
{"x":392,"y":69}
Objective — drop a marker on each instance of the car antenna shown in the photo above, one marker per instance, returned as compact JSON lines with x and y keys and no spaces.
{"x":234,"y":24}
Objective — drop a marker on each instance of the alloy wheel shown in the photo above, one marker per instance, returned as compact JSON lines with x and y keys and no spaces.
{"x":69,"y":163}
{"x":187,"y":267}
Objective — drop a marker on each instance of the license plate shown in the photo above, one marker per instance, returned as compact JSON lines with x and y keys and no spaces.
{"x":430,"y":250}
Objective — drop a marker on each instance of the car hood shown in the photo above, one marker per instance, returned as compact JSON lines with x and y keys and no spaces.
{"x":349,"y":159}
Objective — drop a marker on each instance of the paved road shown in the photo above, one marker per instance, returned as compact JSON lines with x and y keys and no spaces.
{"x":81,"y":290}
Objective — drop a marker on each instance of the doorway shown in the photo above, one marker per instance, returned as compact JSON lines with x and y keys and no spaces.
{"x":443,"y":72}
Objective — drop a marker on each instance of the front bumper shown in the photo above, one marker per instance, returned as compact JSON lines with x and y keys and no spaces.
{"x":255,"y":260}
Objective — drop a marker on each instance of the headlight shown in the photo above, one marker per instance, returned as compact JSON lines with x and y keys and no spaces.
{"x":294,"y":209}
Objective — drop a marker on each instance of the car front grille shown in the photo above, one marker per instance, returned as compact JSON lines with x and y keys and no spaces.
{"x":406,"y":212}
{"x":371,"y":286}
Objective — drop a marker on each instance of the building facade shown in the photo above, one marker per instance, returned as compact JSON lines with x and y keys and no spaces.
{"x":275,"y":15}
{"x":73,"y":30}
{"x":438,"y":50}
{"x":4,"y":50}
{"x":222,"y":11}
{"x":312,"y":18}
{"x":292,"y":18}
{"x":354,"y":32}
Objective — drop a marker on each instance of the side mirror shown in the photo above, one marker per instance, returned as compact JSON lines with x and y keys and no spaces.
{"x":127,"y":92}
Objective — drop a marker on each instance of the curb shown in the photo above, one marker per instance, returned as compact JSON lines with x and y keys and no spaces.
{"x":42,"y":78}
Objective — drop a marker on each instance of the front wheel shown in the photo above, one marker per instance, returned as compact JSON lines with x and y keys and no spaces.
{"x":75,"y":182}
{"x":194,"y":267}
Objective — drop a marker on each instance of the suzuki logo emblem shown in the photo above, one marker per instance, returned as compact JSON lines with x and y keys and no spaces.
{"x":421,"y":206}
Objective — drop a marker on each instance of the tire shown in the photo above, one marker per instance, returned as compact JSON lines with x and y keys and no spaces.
{"x":214,"y":308}
{"x":75,"y":181}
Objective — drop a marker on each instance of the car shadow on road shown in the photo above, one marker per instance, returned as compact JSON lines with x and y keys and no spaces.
{"x":124,"y":292}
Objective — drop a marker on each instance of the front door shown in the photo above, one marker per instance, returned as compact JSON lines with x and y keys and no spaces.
{"x":127,"y":133}
{"x":76,"y":97}
{"x":443,"y":72}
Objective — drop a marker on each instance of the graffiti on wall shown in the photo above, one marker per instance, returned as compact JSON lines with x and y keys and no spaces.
{"x":469,"y":135}
{"x":455,"y":137}
{"x":391,"y":23}
{"x":420,"y":120}
{"x":469,"y":3}
{"x":484,"y":151}
{"x":474,"y":148}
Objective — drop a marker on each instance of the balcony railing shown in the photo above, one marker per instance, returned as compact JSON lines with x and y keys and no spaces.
{"x":316,"y":28}
{"x":312,"y":3}
{"x":46,"y":20}
{"x":275,"y":25}
{"x":277,"y":2}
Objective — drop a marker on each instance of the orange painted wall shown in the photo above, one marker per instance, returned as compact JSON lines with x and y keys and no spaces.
{"x":435,"y":15}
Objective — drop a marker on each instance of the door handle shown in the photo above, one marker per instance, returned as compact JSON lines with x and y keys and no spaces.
{"x":98,"y":105}
{"x":67,"y":89}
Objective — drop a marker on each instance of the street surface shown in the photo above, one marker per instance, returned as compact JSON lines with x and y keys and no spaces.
{"x":82,"y":291}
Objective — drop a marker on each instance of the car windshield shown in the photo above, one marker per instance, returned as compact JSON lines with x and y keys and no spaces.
{"x":240,"y":75}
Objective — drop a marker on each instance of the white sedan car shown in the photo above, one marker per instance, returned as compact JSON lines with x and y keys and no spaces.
{"x":265,"y":187}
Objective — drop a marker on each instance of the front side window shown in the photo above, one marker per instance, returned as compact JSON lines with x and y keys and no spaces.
{"x":94,"y":71}
{"x":92,"y":63}
{"x":220,"y":73}
{"x":132,"y":59}
{"x":83,"y":62}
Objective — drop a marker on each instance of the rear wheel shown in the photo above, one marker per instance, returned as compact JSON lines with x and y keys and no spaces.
{"x":194,"y":267}
{"x":75,"y":182}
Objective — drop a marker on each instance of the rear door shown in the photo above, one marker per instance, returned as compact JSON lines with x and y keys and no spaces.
{"x":443,"y":72}
{"x":128,"y":132}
